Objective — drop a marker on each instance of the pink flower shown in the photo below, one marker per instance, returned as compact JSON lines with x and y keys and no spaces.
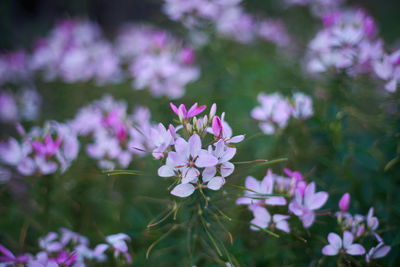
{"x":304,"y":206}
{"x":187,"y":157}
{"x":344,"y":202}
{"x":222,"y":130}
{"x":182,"y":112}
{"x":337,"y":245}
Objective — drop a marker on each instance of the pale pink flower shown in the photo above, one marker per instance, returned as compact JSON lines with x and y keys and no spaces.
{"x":337,"y":245}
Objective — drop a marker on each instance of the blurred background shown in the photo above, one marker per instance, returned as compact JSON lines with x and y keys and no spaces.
{"x":345,"y":147}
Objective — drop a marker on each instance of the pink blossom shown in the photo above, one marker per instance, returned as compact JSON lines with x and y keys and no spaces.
{"x":337,"y":245}
{"x":304,"y":206}
{"x":186,"y":157}
{"x":187,"y":114}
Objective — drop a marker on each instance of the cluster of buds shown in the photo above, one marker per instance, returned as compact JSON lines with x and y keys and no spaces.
{"x":69,"y":249}
{"x":42,"y":150}
{"x":276,"y":191}
{"x":193,"y":166}
{"x":355,"y":228}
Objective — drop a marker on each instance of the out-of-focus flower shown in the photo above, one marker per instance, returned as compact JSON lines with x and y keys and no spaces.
{"x":275,"y":111}
{"x":76,"y":51}
{"x":117,"y":135}
{"x":22,"y":106}
{"x":263,"y":219}
{"x":9,"y":258}
{"x":43,"y":150}
{"x":336,"y":245}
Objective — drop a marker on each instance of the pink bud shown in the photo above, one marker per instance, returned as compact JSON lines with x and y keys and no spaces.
{"x":217,"y":126}
{"x":344,"y":202}
{"x":360,"y":230}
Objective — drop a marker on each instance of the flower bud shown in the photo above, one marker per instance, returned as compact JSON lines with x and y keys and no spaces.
{"x":344,"y":202}
{"x":189,"y":128}
{"x":213,"y":110}
{"x":217,"y":126}
{"x":360,"y":230}
{"x":199,"y":125}
{"x":194,"y":121}
{"x":181,"y":116}
{"x":205,"y":121}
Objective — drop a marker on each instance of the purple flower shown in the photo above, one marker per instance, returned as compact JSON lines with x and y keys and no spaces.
{"x":304,"y":206}
{"x":337,"y":245}
{"x":8,"y":257}
{"x":372,"y":222}
{"x":118,"y":242}
{"x":263,"y":219}
{"x":49,"y":243}
{"x":379,"y":251}
{"x":8,"y":108}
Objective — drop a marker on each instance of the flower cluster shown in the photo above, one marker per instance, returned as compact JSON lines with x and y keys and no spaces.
{"x":42,"y":150}
{"x":157,"y":60}
{"x":229,"y":19}
{"x":76,"y":51}
{"x":355,"y":228}
{"x":194,"y":165}
{"x":68,"y":249}
{"x":349,"y":43}
{"x":23,"y":106}
{"x":116,"y":135}
{"x":318,"y":7}
{"x":275,"y":191}
{"x":275,"y":110}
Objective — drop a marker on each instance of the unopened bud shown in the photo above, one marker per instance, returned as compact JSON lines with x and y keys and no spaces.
{"x":199,"y":126}
{"x":205,"y":121}
{"x":181,"y":116}
{"x":189,"y":128}
{"x":194,"y":121}
{"x":213,"y":110}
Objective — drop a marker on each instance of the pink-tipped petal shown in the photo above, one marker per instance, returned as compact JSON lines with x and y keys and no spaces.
{"x":174,"y":108}
{"x":217,"y":126}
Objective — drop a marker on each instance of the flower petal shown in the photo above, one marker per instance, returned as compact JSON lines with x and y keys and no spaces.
{"x":335,"y":240}
{"x":206,"y":160}
{"x":216,"y":183}
{"x":194,"y":145}
{"x":183,"y":190}
{"x":166,"y":171}
{"x":347,"y":239}
{"x":330,"y":250}
{"x":318,"y":200}
{"x":355,"y":249}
